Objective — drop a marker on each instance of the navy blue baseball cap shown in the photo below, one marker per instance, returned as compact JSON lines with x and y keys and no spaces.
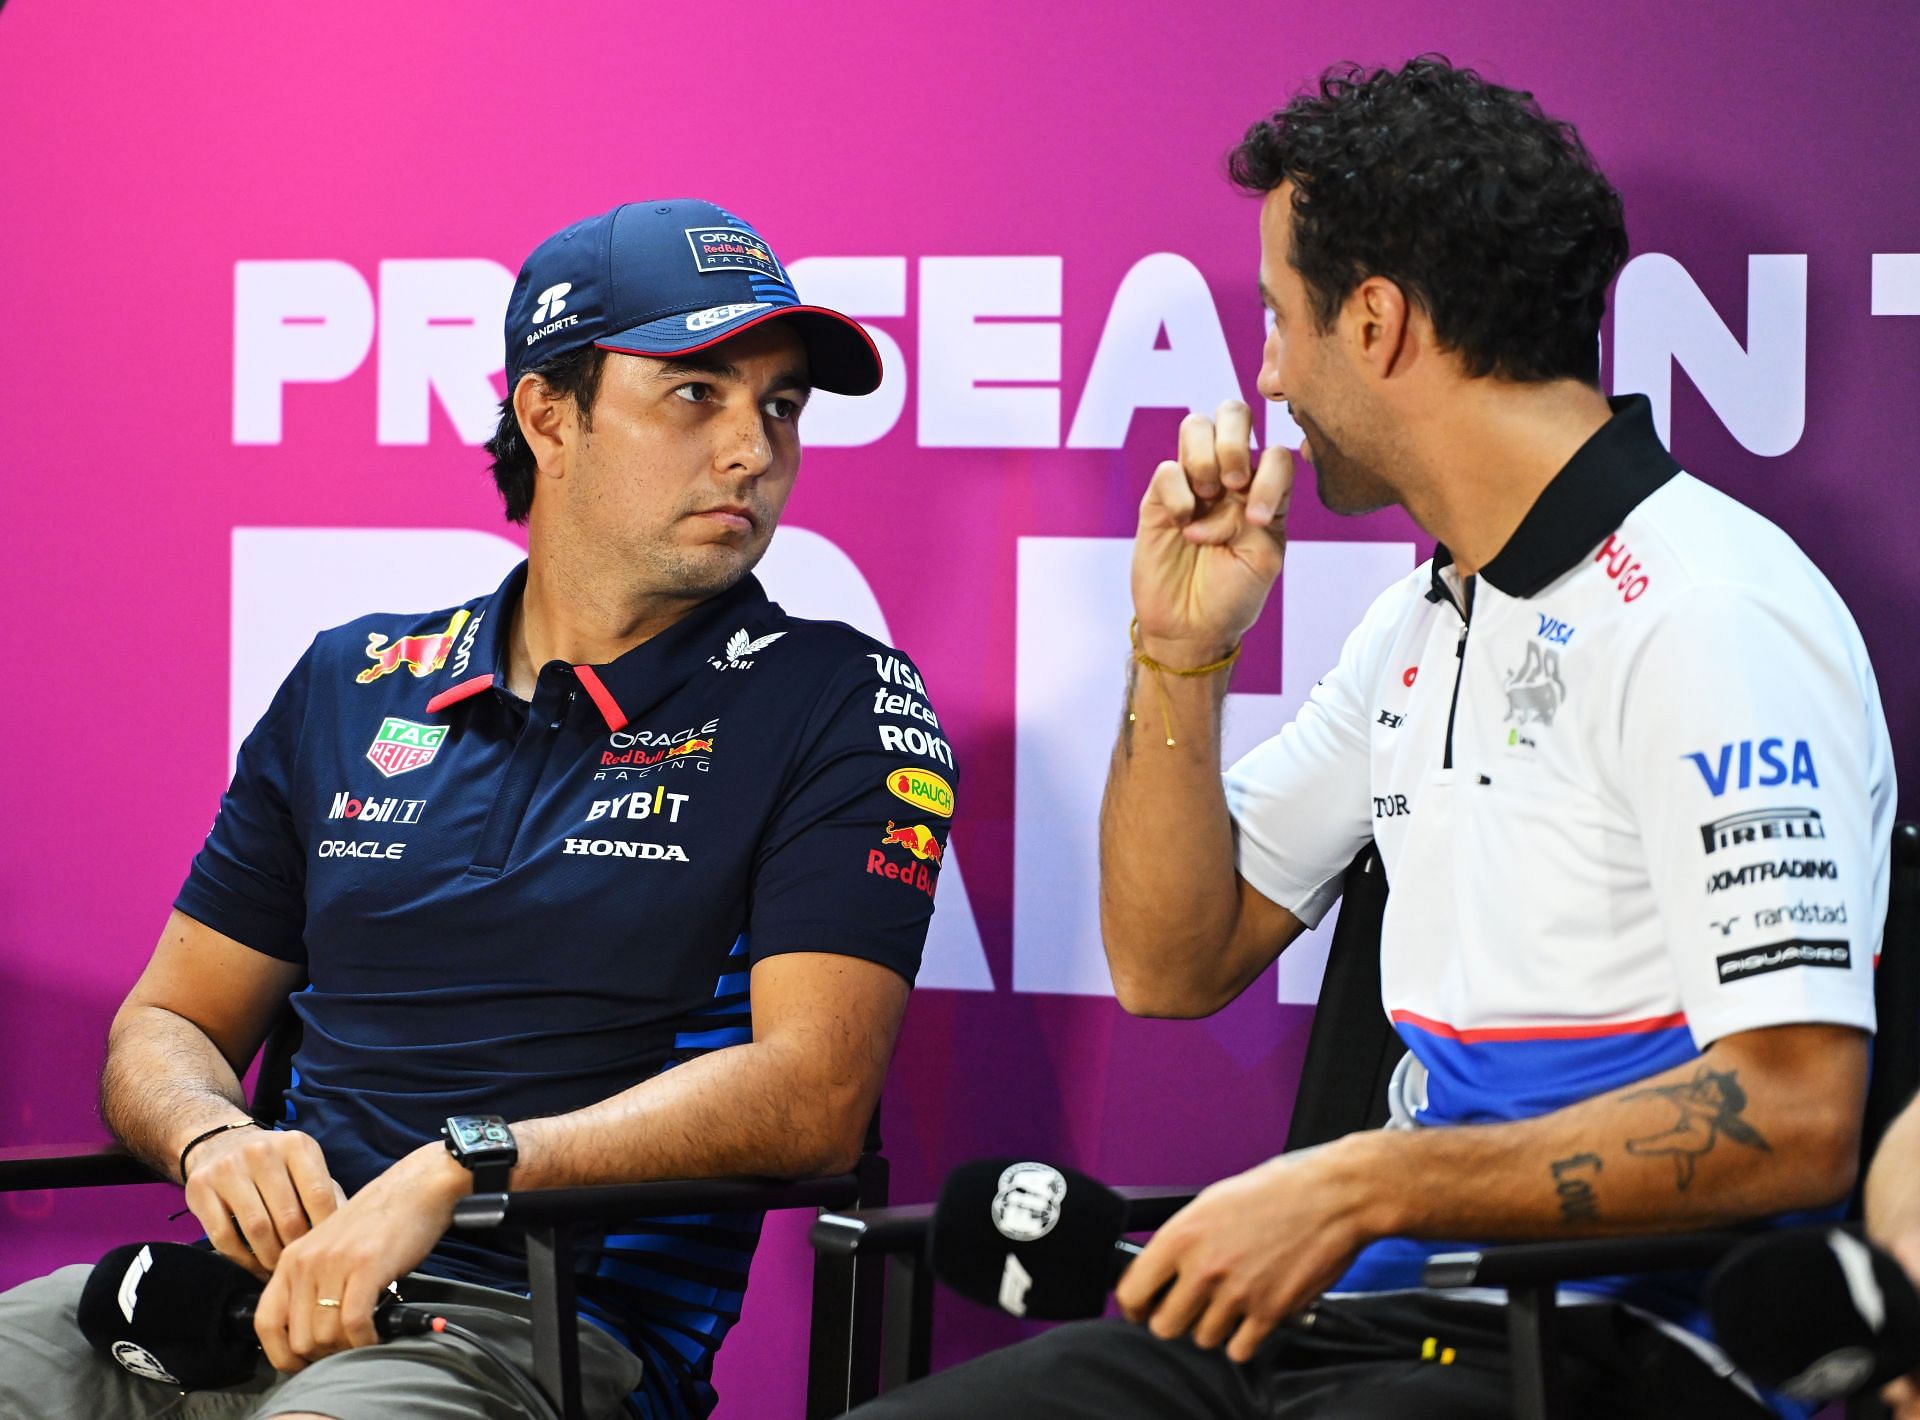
{"x":668,"y":278}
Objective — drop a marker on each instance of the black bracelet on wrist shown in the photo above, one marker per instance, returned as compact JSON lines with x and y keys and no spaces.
{"x":200,"y":1139}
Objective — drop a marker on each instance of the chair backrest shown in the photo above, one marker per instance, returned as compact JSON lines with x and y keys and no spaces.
{"x":1352,"y":1048}
{"x":1896,"y":998}
{"x":268,"y":1102}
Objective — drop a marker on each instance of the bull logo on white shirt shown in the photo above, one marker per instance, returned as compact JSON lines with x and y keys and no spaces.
{"x":1535,"y":691}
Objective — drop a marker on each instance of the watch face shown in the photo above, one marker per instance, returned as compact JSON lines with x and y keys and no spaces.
{"x":479,"y":1133}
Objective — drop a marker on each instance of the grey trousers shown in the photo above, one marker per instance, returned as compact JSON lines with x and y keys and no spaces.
{"x":48,"y":1372}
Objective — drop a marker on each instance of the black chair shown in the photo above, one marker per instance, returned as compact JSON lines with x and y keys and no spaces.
{"x":842,"y":1352}
{"x":1351,"y":1054}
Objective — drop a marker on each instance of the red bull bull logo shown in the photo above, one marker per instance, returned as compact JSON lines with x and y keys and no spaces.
{"x":917,"y":840}
{"x":423,"y":654}
{"x":691,"y":747}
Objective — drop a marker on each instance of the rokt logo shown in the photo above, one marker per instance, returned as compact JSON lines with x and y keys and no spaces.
{"x":552,"y":302}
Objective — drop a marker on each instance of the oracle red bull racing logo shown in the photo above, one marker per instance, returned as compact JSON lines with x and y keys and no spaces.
{"x":918,"y":840}
{"x":422,"y":654}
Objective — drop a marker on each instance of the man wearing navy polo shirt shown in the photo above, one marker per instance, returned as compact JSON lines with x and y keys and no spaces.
{"x":617,"y":872}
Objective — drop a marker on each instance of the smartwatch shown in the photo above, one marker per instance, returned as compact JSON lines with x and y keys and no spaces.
{"x":484,"y":1146}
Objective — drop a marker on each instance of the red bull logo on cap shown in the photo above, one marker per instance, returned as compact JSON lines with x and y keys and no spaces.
{"x":423,"y":654}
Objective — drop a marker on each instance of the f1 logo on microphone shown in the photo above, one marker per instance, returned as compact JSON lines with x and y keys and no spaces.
{"x":130,"y":1284}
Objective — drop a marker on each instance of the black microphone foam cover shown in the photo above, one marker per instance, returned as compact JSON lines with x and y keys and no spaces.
{"x":1032,"y":1239}
{"x":166,"y":1311}
{"x":1815,"y":1313}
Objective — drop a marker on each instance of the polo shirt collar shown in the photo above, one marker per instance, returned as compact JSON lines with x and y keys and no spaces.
{"x":623,"y":687}
{"x":1607,"y":478}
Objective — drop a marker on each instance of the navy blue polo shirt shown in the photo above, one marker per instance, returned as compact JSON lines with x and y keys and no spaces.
{"x":523,"y":908}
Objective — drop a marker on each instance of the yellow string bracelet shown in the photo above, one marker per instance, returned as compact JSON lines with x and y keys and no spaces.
{"x":1142,"y":658}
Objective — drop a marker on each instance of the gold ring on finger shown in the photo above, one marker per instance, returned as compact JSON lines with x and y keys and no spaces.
{"x":326,"y":1301}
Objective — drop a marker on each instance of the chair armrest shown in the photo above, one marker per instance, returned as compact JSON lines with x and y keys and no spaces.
{"x":903,"y":1229}
{"x":614,"y":1202}
{"x":1529,"y":1264}
{"x":36,"y":1166}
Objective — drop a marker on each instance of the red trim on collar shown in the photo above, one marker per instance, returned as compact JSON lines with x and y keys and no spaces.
{"x":454,"y":694}
{"x":610,"y":710}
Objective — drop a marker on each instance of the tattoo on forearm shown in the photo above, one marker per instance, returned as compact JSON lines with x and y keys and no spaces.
{"x":1710,"y":1104}
{"x":1578,"y":1201}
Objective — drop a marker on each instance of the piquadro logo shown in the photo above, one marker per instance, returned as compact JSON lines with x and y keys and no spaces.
{"x":552,"y":301}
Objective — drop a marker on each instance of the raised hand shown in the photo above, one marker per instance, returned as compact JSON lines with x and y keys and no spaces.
{"x":1211,"y":539}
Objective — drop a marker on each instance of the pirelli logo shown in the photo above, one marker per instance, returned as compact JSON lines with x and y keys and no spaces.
{"x":1778,"y":956}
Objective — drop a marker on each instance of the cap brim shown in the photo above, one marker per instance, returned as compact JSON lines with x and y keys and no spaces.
{"x":841,"y":356}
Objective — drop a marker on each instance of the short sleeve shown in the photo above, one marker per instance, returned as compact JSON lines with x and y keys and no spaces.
{"x":1746,"y":754}
{"x":852,"y":856}
{"x":249,"y":879}
{"x":1300,"y":800}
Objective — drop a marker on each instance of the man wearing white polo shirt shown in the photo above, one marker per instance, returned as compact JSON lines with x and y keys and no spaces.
{"x":1621,"y":752}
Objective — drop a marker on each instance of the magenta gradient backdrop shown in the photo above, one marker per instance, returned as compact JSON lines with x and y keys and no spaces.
{"x":149,"y":148}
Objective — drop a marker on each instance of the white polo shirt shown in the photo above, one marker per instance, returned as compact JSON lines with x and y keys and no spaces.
{"x":1640,"y":798}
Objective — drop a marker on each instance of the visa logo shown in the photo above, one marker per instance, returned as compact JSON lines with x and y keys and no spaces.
{"x":1734,"y":767}
{"x":1554,"y":630}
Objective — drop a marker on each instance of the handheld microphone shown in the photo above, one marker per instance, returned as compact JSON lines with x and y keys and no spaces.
{"x":1815,"y":1313}
{"x":184,"y":1316}
{"x":1029,"y":1238}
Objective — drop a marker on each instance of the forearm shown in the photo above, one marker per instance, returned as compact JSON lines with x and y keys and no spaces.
{"x":164,"y":1082}
{"x":1893,"y":1182}
{"x":761,"y":1109}
{"x":1715,"y":1141}
{"x":1169,"y":895}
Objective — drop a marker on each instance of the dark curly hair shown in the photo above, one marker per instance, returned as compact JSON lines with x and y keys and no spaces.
{"x":1489,"y":215}
{"x":576,"y":375}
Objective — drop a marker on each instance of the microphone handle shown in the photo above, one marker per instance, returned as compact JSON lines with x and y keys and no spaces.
{"x":390,"y":1318}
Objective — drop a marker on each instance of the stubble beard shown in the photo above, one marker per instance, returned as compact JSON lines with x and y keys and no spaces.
{"x":1347,"y":486}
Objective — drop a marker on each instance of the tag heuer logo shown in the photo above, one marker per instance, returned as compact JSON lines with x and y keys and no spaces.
{"x":402,"y":745}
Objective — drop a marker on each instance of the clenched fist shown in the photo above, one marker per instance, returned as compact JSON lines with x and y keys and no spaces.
{"x":1213,"y":532}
